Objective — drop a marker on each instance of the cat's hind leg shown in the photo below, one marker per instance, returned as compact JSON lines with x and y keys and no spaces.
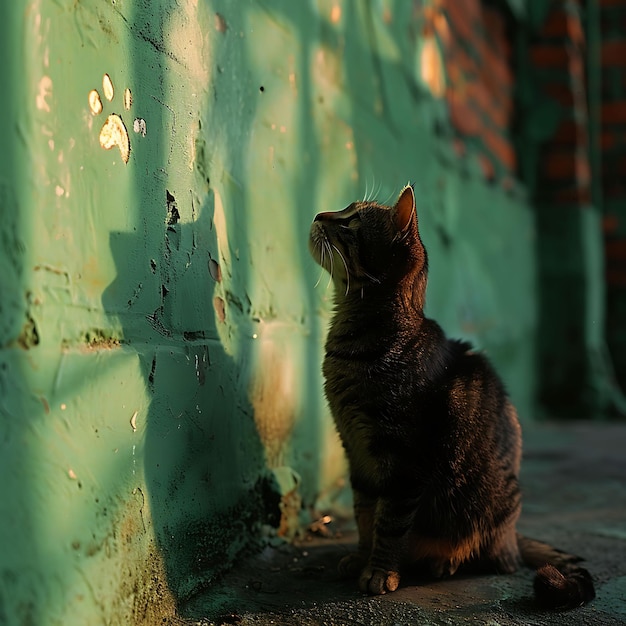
{"x":502,"y":556}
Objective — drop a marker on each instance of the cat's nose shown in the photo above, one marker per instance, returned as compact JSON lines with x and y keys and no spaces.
{"x":326,"y":215}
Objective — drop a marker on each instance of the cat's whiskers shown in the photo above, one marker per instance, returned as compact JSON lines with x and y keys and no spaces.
{"x":345,"y":265}
{"x":332,"y":265}
{"x":317,"y":282}
{"x":372,"y":278}
{"x":375,"y":195}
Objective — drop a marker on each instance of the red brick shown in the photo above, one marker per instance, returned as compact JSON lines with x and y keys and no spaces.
{"x":494,"y":67}
{"x":561,"y":92}
{"x":573,"y":195}
{"x":614,"y":112}
{"x":462,"y":115}
{"x":615,"y":249}
{"x":471,"y":9}
{"x":570,"y":132}
{"x":495,"y":31}
{"x":616,"y":166}
{"x":563,"y":23}
{"x":457,"y":58}
{"x":562,"y":57}
{"x":613,"y":189}
{"x":550,"y":55}
{"x":610,"y":223}
{"x":454,"y":73}
{"x":500,"y":147}
{"x":495,"y":23}
{"x":479,"y":93}
{"x":607,"y":140}
{"x":613,"y":53}
{"x":487,"y":166}
{"x":461,"y":19}
{"x":569,"y":165}
{"x":616,"y":277}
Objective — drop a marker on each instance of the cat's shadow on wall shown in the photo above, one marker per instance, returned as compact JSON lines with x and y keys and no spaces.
{"x":202,"y":456}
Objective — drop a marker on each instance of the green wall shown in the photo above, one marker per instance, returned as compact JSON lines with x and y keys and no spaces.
{"x":161,"y":329}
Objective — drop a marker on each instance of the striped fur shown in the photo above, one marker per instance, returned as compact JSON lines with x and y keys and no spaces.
{"x":432,"y":439}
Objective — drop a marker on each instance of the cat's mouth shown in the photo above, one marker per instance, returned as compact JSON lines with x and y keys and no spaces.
{"x":327,"y":254}
{"x":320,"y":246}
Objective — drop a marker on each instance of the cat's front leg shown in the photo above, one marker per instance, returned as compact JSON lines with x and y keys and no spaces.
{"x":392,"y":524}
{"x":352,"y":564}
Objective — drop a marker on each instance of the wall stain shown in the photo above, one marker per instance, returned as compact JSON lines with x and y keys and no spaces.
{"x":29,"y":337}
{"x":93,"y":339}
{"x":220,"y":308}
{"x":172,"y":210}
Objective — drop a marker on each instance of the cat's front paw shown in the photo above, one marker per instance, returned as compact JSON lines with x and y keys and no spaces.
{"x":351,"y":565}
{"x":376,"y":581}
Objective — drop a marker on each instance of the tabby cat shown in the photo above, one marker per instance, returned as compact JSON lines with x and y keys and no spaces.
{"x":432,"y":439}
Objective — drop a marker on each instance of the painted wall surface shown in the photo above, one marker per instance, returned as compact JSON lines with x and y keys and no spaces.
{"x":161,"y":322}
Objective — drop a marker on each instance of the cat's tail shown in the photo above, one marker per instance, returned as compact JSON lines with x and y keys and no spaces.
{"x":560,"y":583}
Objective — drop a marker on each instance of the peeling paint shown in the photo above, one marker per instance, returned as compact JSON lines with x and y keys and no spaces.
{"x":29,"y":337}
{"x":172,"y":214}
{"x":95,"y":103}
{"x":220,"y":308}
{"x":43,"y":93}
{"x":114,"y":134}
{"x":215,"y":270}
{"x":220,"y":23}
{"x":107,"y":87}
{"x":139,"y":126}
{"x":128,"y":99}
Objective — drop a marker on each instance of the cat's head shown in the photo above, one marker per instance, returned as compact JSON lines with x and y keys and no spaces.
{"x":369,"y":245}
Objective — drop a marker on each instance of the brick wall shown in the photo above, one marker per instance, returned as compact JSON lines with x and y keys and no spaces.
{"x":479,"y":82}
{"x":586,"y":140}
{"x":557,"y":56}
{"x":518,"y":99}
{"x":613,"y":158}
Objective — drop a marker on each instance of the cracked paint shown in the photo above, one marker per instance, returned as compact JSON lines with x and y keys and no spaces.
{"x":114,"y":133}
{"x":43,"y":93}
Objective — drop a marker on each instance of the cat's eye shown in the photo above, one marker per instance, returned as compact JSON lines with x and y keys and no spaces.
{"x":353,"y":223}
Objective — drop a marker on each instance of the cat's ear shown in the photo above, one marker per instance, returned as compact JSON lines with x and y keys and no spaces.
{"x":404,"y":209}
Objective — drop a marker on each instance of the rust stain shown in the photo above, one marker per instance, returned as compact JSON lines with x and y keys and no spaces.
{"x":220,"y":308}
{"x":272,"y":396}
{"x":221,"y":26}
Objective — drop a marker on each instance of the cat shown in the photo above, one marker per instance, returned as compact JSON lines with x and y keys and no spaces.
{"x":432,"y":440}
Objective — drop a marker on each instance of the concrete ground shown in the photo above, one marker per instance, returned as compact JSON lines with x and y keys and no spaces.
{"x":574,"y":484}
